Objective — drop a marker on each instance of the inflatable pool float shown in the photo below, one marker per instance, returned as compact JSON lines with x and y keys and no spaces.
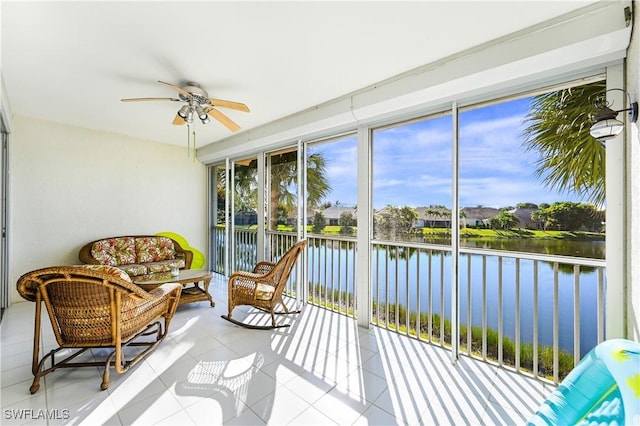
{"x":604,"y":388}
{"x":198,"y":258}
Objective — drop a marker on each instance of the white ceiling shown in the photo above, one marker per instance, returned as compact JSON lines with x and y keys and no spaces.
{"x":72,"y":62}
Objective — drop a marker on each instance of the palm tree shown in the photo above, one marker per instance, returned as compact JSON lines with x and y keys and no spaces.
{"x":504,"y":220}
{"x":571,"y":160}
{"x":317,"y":185}
{"x":284,"y":174}
{"x":246,"y":194}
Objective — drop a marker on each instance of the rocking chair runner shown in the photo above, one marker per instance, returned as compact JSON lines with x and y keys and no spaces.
{"x":95,"y":306}
{"x":263,"y":287}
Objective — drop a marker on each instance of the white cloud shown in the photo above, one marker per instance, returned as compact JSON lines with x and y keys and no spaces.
{"x":497,"y":192}
{"x":413,"y":162}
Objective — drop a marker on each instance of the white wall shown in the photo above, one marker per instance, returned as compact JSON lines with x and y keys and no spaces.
{"x":72,"y":185}
{"x":633,"y":169}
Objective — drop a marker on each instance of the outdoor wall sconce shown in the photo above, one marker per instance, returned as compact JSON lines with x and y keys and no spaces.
{"x":606,"y":125}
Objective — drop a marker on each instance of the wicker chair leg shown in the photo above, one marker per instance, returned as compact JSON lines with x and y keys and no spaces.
{"x":105,"y":379}
{"x":35,"y":366}
{"x":40,"y":371}
{"x":105,"y":374}
{"x":35,"y":385}
{"x":286,"y":310}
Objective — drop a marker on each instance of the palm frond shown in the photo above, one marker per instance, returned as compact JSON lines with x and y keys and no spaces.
{"x":570,"y":159}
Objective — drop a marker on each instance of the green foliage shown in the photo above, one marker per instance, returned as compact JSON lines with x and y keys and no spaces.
{"x":570,"y":159}
{"x":490,"y":234}
{"x":395,"y":222}
{"x":317,"y":184}
{"x":318,"y":223}
{"x":570,"y":216}
{"x":346,"y":222}
{"x":504,"y":220}
{"x":334,"y":300}
{"x":284,"y":175}
{"x":433,"y":214}
{"x":526,"y":206}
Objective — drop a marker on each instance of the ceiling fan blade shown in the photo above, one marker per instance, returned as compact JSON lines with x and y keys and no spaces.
{"x":231,"y":125}
{"x":176,"y":88}
{"x":178,"y":121}
{"x":148,"y":99}
{"x":228,"y":104}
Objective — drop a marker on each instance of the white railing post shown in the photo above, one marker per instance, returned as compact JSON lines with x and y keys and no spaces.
{"x":262,"y":226}
{"x":301,"y":217}
{"x":455,"y":230}
{"x":616,"y":220}
{"x":229,"y":228}
{"x":365,"y":223}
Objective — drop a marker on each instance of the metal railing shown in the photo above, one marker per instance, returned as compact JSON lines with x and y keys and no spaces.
{"x":331,"y":273}
{"x":536,"y":314}
{"x":509,"y":303}
{"x":245,"y":255}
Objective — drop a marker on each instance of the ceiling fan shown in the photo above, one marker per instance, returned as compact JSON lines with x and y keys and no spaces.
{"x":198,"y":103}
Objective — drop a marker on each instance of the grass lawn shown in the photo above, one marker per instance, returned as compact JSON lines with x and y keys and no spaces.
{"x":529,"y":233}
{"x":469,"y":233}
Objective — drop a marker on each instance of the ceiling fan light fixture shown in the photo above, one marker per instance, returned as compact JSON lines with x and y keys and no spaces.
{"x":202,"y":114}
{"x":184,"y":111}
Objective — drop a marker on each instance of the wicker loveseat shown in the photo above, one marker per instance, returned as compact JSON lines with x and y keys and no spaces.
{"x":137,"y":255}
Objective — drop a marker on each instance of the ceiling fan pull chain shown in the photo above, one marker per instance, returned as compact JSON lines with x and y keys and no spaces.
{"x":194,"y":146}
{"x":188,"y":137}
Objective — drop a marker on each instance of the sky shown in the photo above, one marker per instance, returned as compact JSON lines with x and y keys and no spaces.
{"x":412,"y":163}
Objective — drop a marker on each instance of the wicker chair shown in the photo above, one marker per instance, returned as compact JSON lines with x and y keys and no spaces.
{"x":93,"y":306}
{"x":263,"y":287}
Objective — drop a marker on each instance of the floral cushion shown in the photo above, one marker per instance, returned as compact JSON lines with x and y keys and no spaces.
{"x":154,"y":249}
{"x":134,"y":269}
{"x":114,"y":251}
{"x":109,"y":270}
{"x":164,"y":265}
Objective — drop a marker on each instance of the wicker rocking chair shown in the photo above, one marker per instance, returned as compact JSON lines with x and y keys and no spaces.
{"x":263,"y":287}
{"x":93,"y":306}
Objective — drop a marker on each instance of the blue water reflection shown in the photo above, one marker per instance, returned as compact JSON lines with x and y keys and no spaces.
{"x":425,"y":271}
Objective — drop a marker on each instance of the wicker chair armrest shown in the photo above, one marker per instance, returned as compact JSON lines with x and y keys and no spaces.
{"x":263,"y":267}
{"x":165,"y":289}
{"x":27,"y":288}
{"x":85,"y":255}
{"x":248,"y":281}
{"x":243,"y":275}
{"x":132,"y":288}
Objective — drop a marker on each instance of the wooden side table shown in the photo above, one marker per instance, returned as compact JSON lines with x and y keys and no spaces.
{"x":198,"y":291}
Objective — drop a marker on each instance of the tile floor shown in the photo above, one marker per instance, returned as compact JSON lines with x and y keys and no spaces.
{"x":322,"y":370}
